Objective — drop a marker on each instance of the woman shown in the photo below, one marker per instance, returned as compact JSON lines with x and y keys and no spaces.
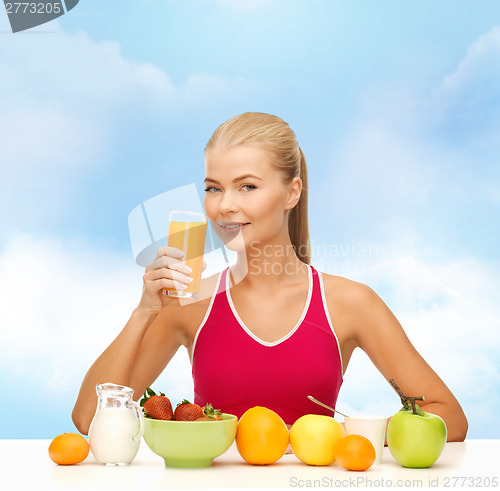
{"x":270,"y":329}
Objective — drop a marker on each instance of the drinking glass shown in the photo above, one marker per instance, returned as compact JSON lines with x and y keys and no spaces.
{"x":187,"y":231}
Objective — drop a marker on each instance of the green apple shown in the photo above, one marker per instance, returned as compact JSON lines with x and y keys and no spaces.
{"x":415,"y":438}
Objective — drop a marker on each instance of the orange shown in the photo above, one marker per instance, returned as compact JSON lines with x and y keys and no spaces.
{"x":261,"y":436}
{"x":68,"y":448}
{"x":313,"y":438}
{"x":355,"y":453}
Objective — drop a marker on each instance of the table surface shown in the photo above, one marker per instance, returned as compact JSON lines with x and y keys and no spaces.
{"x":25,"y":465}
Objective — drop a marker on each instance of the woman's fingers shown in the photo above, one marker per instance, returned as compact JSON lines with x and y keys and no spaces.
{"x":155,"y":286}
{"x":169,"y":251}
{"x":168,"y":262}
{"x":167,"y":274}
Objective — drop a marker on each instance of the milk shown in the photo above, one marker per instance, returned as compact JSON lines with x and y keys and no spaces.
{"x":111,"y":436}
{"x":371,"y":427}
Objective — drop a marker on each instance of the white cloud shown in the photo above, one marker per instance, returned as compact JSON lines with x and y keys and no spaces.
{"x":465,"y":107}
{"x":479,"y":67}
{"x":68,"y":103}
{"x":451,"y":315}
{"x":411,"y":170}
{"x":63,"y":303}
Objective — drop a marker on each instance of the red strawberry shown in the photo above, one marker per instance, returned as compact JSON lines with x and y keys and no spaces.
{"x":156,"y":406}
{"x":185,"y":411}
{"x":210,"y":414}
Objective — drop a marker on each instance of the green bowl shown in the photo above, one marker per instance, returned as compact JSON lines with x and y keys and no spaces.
{"x":190,"y":443}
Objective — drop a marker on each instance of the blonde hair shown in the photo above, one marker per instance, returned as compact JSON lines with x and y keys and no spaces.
{"x":275,"y":135}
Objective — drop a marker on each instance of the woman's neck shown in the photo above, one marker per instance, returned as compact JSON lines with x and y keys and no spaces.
{"x":267,"y":267}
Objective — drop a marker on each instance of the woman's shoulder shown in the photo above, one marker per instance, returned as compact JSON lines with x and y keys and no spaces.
{"x":350,"y":304}
{"x":347,"y":292}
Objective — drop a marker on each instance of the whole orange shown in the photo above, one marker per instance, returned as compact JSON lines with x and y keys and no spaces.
{"x":261,"y":436}
{"x":68,"y":448}
{"x":355,"y":453}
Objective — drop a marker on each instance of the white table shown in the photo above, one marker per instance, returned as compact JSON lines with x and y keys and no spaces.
{"x":25,"y":465}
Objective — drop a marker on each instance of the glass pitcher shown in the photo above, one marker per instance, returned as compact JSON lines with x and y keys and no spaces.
{"x":115,"y":432}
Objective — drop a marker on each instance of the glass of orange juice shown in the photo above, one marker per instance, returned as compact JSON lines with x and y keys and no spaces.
{"x":187,"y":231}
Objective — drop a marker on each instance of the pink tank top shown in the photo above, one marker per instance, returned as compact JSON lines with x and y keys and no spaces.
{"x":234,"y":369}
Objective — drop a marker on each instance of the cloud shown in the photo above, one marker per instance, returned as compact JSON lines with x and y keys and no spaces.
{"x":59,"y":96}
{"x":465,"y":107}
{"x":69,"y":107}
{"x":449,"y":310}
{"x":63,"y":303}
{"x":418,"y":177}
{"x":479,"y":69}
{"x":424,"y":164}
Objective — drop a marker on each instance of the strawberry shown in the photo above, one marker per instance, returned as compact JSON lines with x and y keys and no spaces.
{"x":156,"y":406}
{"x":186,"y":411}
{"x":210,"y":414}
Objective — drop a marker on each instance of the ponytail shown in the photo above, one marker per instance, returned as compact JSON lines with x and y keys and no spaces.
{"x":298,"y":220}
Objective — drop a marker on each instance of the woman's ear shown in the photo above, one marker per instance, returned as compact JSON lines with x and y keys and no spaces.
{"x":294,"y":192}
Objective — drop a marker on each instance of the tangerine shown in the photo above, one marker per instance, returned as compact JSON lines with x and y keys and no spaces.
{"x":68,"y":448}
{"x":261,"y":436}
{"x":313,"y":438}
{"x":355,"y":453}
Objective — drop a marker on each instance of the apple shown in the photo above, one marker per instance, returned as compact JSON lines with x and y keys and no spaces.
{"x":415,"y":438}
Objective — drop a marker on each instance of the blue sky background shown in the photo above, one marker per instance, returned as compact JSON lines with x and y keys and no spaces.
{"x":396,"y":106}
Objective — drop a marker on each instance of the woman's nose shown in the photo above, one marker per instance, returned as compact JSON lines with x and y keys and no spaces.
{"x":227,"y":204}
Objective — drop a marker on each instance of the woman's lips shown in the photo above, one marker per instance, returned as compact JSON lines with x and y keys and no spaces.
{"x":232,"y":228}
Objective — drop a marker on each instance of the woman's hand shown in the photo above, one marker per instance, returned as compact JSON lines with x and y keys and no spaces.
{"x":166,"y":271}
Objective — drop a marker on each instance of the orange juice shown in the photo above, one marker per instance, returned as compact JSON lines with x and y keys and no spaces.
{"x":188,"y":236}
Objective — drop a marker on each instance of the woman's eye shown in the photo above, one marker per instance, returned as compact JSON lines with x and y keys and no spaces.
{"x":251,"y":186}
{"x":213,"y":189}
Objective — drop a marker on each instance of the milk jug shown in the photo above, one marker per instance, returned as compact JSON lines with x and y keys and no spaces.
{"x":115,"y":432}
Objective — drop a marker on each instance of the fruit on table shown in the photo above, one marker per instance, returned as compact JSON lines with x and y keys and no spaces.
{"x":210,"y":414}
{"x":186,"y":411}
{"x":68,"y":448}
{"x":159,"y":407}
{"x":156,"y":406}
{"x":355,"y":453}
{"x":261,"y":436}
{"x":313,"y":438}
{"x":415,"y":438}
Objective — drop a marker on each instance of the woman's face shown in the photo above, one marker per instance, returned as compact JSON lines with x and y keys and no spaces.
{"x":245,"y":197}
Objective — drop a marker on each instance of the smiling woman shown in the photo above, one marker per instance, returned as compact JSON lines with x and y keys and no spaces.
{"x":271,"y":329}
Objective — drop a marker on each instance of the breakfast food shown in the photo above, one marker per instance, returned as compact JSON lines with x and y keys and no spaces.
{"x":156,"y":406}
{"x":186,"y":411}
{"x":68,"y":448}
{"x":210,"y":414}
{"x":261,"y":436}
{"x":415,"y":438}
{"x":313,"y":438}
{"x":355,"y":453}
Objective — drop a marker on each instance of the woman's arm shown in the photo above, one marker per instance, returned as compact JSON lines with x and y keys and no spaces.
{"x":135,"y":358}
{"x":379,"y":334}
{"x":145,"y":345}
